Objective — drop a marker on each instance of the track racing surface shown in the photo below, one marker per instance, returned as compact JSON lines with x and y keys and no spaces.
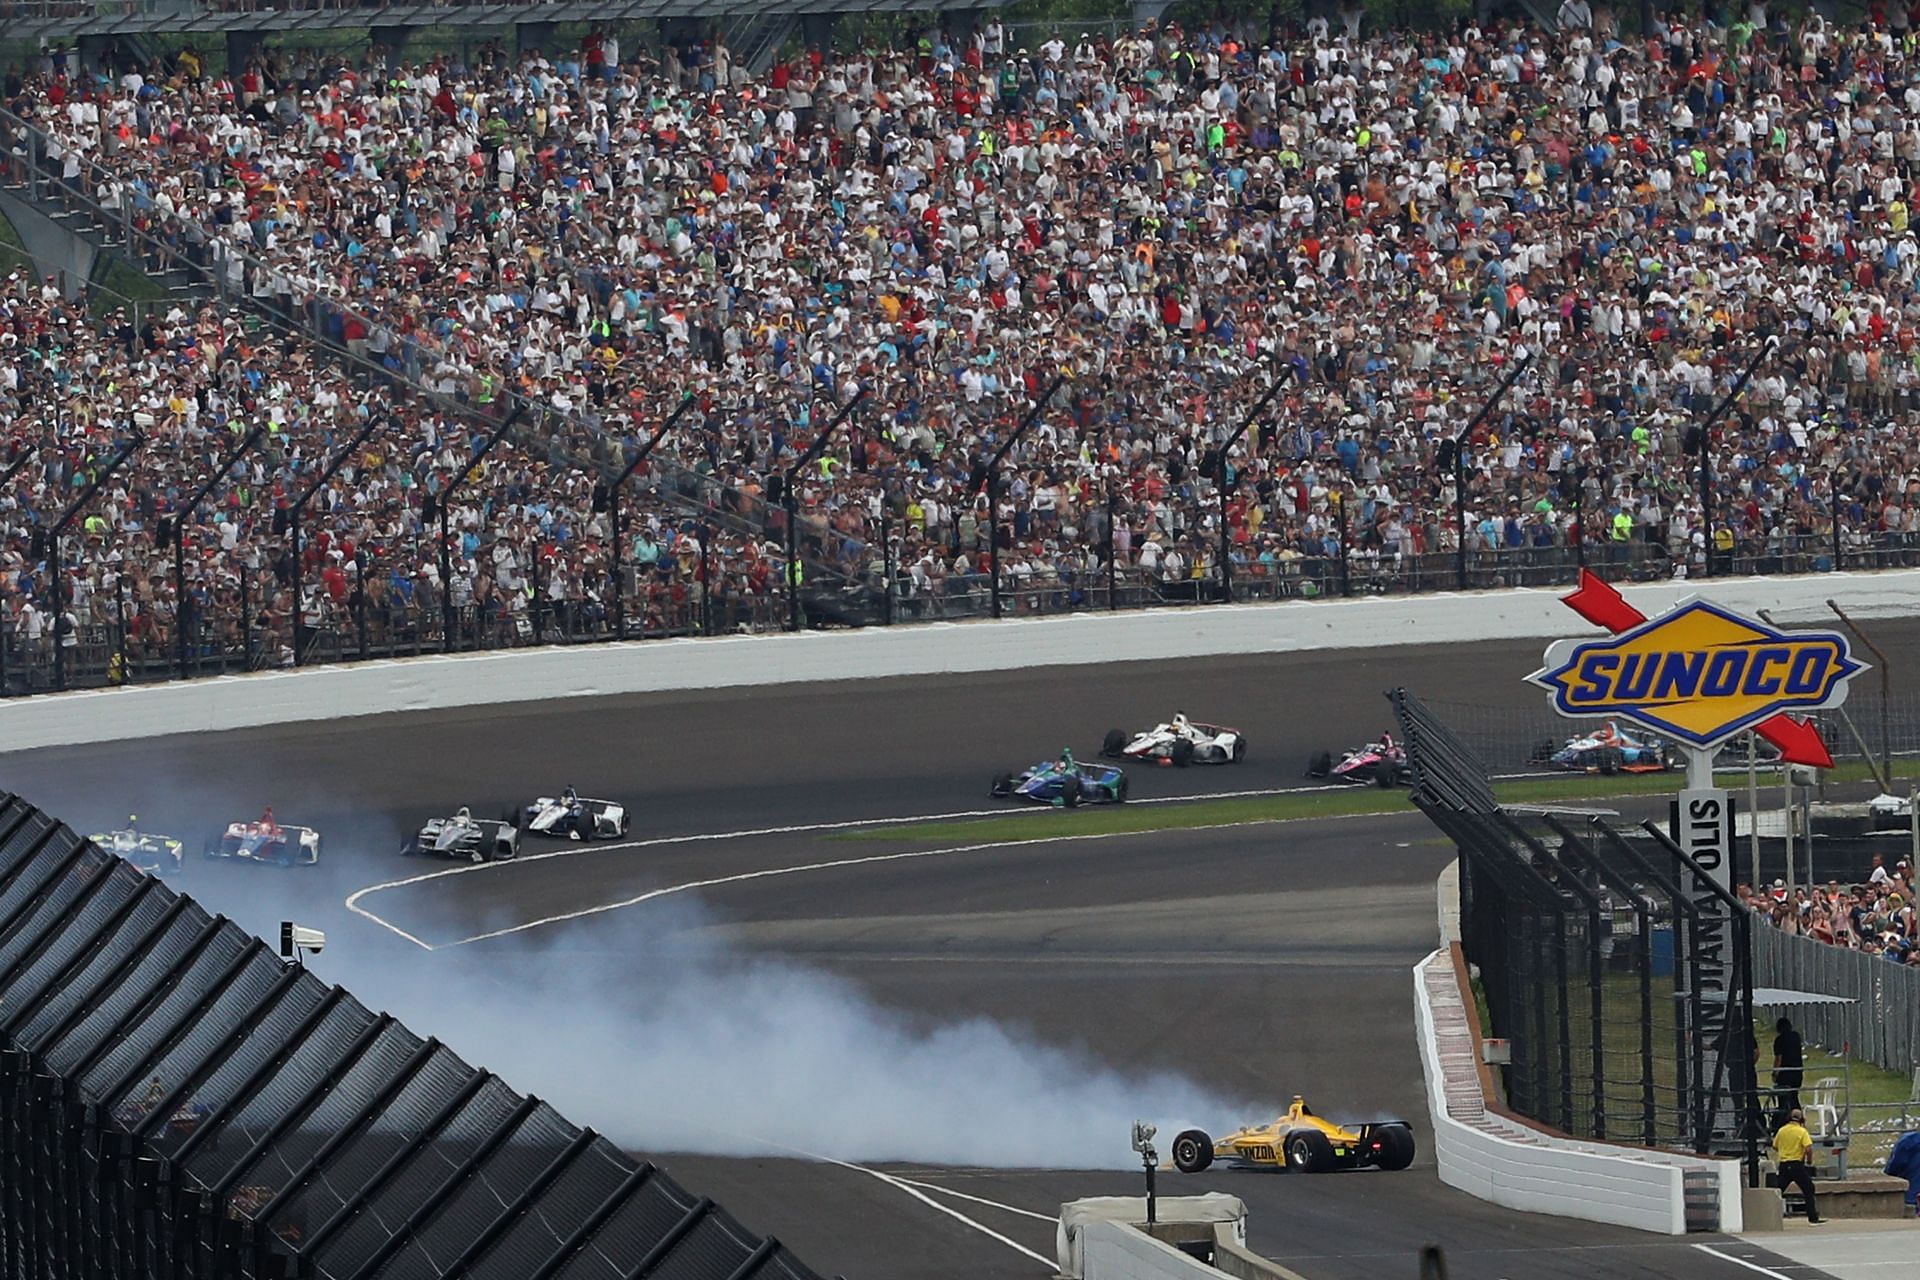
{"x":900,"y":1050}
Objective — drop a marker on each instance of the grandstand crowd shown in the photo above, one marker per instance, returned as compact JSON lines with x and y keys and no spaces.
{"x":1877,"y":917}
{"x":1392,"y":222}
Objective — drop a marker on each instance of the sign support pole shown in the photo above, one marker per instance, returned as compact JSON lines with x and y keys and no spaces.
{"x":1699,"y":769}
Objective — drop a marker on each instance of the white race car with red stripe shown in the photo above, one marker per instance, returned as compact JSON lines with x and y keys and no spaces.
{"x":1179,"y":742}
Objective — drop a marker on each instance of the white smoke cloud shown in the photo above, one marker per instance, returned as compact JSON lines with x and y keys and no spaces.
{"x":667,"y":1042}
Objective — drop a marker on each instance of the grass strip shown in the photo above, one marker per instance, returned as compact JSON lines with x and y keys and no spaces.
{"x":1334,"y":801}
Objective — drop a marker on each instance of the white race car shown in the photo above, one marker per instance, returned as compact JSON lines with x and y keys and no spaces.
{"x":1179,"y":742}
{"x":574,"y":817}
{"x":268,"y":841}
{"x":464,"y":836}
{"x":154,"y":854}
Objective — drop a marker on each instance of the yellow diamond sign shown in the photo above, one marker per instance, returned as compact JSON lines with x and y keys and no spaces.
{"x":1698,"y":673}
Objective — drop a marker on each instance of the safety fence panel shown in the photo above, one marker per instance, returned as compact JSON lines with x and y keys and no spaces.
{"x":176,"y":1100}
{"x":1881,"y":1025}
{"x":1589,"y":950}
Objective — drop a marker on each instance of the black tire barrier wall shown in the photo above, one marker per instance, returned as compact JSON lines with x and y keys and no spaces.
{"x":177,"y":1101}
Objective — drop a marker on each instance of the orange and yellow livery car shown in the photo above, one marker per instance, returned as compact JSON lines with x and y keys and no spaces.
{"x":1302,"y":1142}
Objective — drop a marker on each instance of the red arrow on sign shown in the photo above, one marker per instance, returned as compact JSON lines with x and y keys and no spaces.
{"x":1599,"y":603}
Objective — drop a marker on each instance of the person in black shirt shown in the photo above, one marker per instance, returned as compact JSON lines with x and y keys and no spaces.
{"x":1788,"y":1066}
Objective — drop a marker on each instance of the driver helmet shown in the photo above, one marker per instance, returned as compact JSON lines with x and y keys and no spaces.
{"x":1180,"y":720}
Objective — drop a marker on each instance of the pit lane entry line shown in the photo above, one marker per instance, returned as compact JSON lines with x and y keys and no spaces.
{"x":768,"y":873}
{"x":572,"y":851}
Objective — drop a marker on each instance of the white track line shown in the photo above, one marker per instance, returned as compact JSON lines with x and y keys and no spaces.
{"x":767,"y":873}
{"x":918,"y":1189}
{"x":973,"y":1199}
{"x":1742,"y":1262}
{"x":574,"y":851}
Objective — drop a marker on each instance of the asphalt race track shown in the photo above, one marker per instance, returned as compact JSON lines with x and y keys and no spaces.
{"x":1259,"y":961}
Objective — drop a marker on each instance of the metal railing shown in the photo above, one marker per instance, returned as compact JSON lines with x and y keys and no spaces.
{"x":176,"y":1100}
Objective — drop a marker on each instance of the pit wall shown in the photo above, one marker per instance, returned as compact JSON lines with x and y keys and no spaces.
{"x":550,"y":674}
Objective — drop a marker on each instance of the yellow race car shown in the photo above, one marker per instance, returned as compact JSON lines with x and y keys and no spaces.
{"x":1302,"y":1142}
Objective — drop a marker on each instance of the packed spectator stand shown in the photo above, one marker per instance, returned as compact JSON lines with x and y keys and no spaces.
{"x":1878,"y":916}
{"x":572,"y":242}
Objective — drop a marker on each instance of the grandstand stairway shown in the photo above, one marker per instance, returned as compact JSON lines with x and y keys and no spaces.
{"x":755,"y":39}
{"x":106,"y":233}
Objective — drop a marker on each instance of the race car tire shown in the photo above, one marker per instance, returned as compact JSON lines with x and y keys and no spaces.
{"x":1192,"y":1151}
{"x":1396,"y":1146}
{"x":1071,"y":793}
{"x":1182,"y":753}
{"x":1115,"y":743}
{"x":1120,"y":789}
{"x":1239,"y":750}
{"x":1610,"y":760}
{"x":626,"y":823}
{"x":1308,"y":1151}
{"x":1542,"y":752}
{"x":1321,"y":765}
{"x":1001,"y":786}
{"x":1385,"y":774}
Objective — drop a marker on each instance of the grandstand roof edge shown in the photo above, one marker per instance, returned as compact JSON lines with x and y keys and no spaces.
{"x":201,"y":21}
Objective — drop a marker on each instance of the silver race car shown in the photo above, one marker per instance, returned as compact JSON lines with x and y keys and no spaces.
{"x":1179,"y":742}
{"x":465,"y":836}
{"x":156,"y":855}
{"x":570,"y":816}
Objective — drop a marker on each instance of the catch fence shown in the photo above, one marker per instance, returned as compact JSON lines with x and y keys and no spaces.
{"x":178,"y":1101}
{"x":1595,"y":957}
{"x":1519,"y":739}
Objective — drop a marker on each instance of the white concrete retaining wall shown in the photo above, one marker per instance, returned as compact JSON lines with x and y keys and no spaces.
{"x":435,"y":683}
{"x":1116,"y":1251}
{"x":1501,"y":1160}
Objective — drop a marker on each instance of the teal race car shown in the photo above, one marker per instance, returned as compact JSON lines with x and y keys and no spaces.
{"x":1064,"y":783}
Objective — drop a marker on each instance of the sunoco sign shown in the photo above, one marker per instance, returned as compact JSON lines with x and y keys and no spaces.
{"x":1698,"y":673}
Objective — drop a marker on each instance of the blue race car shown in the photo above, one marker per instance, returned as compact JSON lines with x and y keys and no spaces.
{"x":1064,"y":782}
{"x":1609,"y":750}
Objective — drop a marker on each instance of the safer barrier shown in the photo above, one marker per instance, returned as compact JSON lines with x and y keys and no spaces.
{"x":1881,"y":1025}
{"x":176,"y":1100}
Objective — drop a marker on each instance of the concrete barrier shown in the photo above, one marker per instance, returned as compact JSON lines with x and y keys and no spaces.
{"x":1510,"y":1162}
{"x":543,"y":675}
{"x":1121,"y":1251}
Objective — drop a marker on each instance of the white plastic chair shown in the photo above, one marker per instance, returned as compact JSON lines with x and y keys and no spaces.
{"x":1821,"y":1108}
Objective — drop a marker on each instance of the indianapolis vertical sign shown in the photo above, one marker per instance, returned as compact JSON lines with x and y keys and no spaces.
{"x":1703,"y":828}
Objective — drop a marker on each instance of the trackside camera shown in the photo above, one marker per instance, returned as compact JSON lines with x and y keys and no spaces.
{"x":297,"y":940}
